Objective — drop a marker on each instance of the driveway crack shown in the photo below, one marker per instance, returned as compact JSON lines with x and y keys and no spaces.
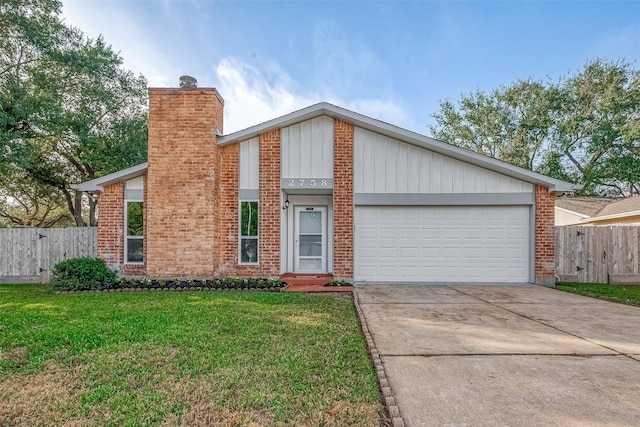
{"x":544,"y":324}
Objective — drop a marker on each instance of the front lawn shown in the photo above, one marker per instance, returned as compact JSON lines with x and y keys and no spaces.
{"x":183,"y":359}
{"x":617,"y":293}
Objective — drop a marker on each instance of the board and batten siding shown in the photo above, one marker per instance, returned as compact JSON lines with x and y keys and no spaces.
{"x":307,"y":149}
{"x":386,"y":165}
{"x":249,"y":164}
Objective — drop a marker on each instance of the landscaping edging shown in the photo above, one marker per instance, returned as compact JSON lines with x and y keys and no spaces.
{"x":385,"y":388}
{"x":179,"y":289}
{"x":176,"y":285}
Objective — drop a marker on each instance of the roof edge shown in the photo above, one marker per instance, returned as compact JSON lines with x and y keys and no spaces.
{"x":396,"y":132}
{"x":611,"y":216}
{"x":98,"y":184}
{"x":576,"y":213}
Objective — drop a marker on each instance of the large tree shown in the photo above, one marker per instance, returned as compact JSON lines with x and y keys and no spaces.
{"x":509,"y":123}
{"x":584,"y":128}
{"x":69,"y":112}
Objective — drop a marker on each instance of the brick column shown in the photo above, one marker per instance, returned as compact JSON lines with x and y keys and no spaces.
{"x":228,"y":176}
{"x":182,"y":187}
{"x":545,"y":237}
{"x":343,"y":210}
{"x":269,"y":204}
{"x":111,"y":225}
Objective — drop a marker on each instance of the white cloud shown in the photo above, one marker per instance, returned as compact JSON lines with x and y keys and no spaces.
{"x":253,"y":96}
{"x":137,"y":47}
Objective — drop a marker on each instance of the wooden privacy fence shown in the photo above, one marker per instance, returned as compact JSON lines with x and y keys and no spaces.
{"x":598,"y":254}
{"x":27,"y":255}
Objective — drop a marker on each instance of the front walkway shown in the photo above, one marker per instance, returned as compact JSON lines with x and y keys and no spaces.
{"x":505,"y":355}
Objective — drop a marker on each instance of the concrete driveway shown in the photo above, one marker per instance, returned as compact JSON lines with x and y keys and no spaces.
{"x":505,"y":355}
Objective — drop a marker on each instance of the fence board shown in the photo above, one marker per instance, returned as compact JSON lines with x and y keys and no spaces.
{"x":29,"y":254}
{"x":598,"y":254}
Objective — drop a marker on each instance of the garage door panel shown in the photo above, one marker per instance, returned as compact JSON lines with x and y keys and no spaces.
{"x":410,"y":252}
{"x":389,"y":252}
{"x":367,"y":252}
{"x":388,"y":233}
{"x":367,"y":232}
{"x":442,"y":244}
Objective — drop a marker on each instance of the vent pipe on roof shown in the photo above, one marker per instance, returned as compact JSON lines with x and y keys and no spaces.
{"x":188,"y":82}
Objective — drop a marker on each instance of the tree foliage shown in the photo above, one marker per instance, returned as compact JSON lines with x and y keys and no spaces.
{"x":584,"y":128}
{"x":69,"y":112}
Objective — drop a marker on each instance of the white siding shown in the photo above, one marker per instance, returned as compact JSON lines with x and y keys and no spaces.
{"x":564,"y":217}
{"x":307,"y":149}
{"x":386,"y":165}
{"x":135,"y":183}
{"x":249,"y":164}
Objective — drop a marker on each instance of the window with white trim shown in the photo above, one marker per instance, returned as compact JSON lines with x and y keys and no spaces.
{"x":134,"y":221}
{"x":248,"y":232}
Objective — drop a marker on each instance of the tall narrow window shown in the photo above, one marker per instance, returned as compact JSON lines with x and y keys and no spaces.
{"x":248,"y":232}
{"x":135,"y":232}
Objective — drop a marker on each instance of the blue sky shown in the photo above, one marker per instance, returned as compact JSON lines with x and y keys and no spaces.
{"x":392,"y":60}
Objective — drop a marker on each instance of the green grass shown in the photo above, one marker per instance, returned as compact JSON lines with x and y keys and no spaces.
{"x":617,"y":293}
{"x":187,"y":358}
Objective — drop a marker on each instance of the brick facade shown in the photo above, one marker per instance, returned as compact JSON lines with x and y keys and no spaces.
{"x":269,"y":206}
{"x":182,"y":186}
{"x":111,"y":230}
{"x":545,"y":236}
{"x":227,"y":233}
{"x":343,"y":134}
{"x":191,"y":195}
{"x":111,"y":225}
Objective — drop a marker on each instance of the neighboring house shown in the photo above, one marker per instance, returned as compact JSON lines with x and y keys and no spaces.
{"x":597,"y":211}
{"x":322,"y":190}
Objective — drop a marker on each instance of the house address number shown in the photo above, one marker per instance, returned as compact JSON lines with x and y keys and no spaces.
{"x":307,"y":183}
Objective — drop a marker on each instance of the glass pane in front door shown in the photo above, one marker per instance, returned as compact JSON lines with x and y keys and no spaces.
{"x":310,"y":240}
{"x":311,"y":245}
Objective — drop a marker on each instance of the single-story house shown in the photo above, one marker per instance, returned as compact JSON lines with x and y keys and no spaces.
{"x":322,"y":190}
{"x":597,"y":211}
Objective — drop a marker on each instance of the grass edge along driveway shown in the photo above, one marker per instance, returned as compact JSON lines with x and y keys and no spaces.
{"x":624,"y":294}
{"x":201,"y":358}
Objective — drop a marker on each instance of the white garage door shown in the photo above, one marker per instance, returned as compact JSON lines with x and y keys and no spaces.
{"x":442,"y":244}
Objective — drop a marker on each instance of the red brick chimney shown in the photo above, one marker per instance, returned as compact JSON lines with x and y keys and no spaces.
{"x":181,"y":180}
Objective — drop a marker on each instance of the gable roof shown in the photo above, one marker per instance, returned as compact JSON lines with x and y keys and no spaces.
{"x":593,"y":209}
{"x":365,"y":122}
{"x":395,"y":132}
{"x":123,"y":175}
{"x":585,"y":206}
{"x":626,"y":205}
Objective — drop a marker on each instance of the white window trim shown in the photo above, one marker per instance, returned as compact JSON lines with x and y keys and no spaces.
{"x":240,"y":236}
{"x":126,"y":234}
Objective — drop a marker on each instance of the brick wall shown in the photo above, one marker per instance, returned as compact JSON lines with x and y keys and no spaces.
{"x":545,"y":237}
{"x":343,"y":200}
{"x":181,"y":185}
{"x":111,"y":230}
{"x":227,"y":233}
{"x":111,"y":225}
{"x":269,"y":205}
{"x":269,"y":210}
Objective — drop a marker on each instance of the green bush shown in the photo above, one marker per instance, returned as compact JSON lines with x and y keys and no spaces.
{"x":82,"y":274}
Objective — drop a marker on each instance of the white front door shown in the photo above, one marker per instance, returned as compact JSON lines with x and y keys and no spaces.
{"x":310,"y":225}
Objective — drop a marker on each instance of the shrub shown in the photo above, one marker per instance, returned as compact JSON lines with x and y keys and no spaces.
{"x":82,"y":274}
